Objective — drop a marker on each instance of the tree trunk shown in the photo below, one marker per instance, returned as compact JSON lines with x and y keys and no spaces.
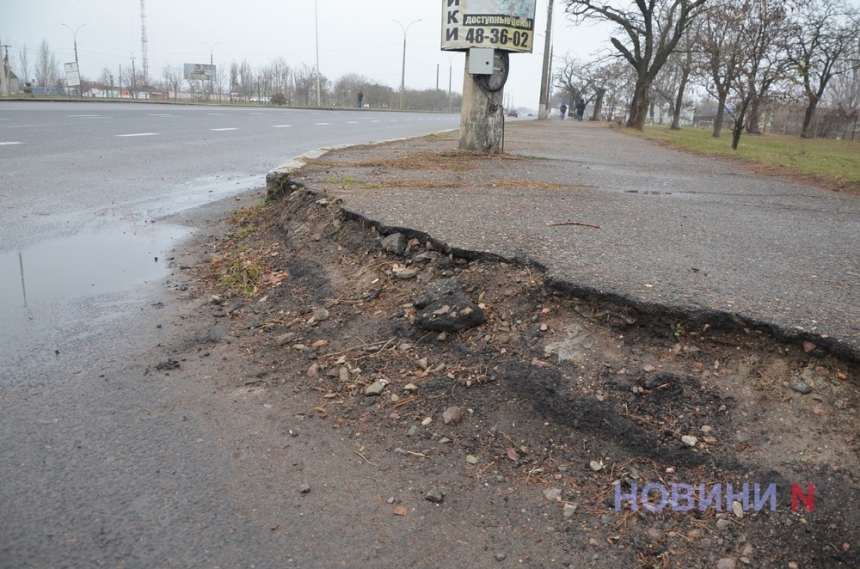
{"x":679,"y":100}
{"x":755,"y":116}
{"x":639,"y":105}
{"x":740,"y":119}
{"x":721,"y":112}
{"x":598,"y":105}
{"x":808,"y":115}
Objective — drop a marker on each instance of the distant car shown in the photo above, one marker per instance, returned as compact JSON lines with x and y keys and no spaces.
{"x":513,"y":113}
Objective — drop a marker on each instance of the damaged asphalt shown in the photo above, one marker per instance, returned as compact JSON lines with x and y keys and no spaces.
{"x":620,"y":218}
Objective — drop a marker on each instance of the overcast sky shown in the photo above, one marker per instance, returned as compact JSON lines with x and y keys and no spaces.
{"x":354,"y":37}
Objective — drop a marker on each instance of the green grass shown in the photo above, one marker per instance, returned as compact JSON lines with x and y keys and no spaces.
{"x":836,"y":162}
{"x":242,"y":278}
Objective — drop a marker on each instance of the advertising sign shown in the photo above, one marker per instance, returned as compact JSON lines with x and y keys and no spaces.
{"x":73,"y":78}
{"x":496,"y":24}
{"x":199,"y":72}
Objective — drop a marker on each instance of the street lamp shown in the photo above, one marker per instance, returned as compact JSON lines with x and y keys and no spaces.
{"x":75,"y":37}
{"x":317,"y":41}
{"x":403,"y":69}
{"x":211,"y":64}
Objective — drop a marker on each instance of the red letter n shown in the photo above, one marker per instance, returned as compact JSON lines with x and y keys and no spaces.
{"x":808,"y":499}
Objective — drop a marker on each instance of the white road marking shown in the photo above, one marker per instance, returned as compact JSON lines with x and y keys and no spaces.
{"x":223,"y":129}
{"x":322,"y":124}
{"x":162,"y":115}
{"x":9,"y":143}
{"x":137,"y":134}
{"x":281,"y":126}
{"x":82,"y":116}
{"x":351,"y":122}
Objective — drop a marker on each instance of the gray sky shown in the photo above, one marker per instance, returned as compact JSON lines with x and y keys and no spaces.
{"x":354,"y":37}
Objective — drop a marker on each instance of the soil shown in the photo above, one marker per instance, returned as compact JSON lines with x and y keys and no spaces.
{"x":303,"y":304}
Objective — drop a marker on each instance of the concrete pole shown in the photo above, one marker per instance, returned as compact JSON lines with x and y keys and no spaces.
{"x":547,"y":64}
{"x":403,"y":72}
{"x":482,"y":122}
{"x":450,"y":70}
{"x":4,"y":80}
{"x":403,"y":65}
{"x":317,"y":37}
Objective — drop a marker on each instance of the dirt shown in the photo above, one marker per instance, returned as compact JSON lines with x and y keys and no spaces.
{"x":528,"y":476}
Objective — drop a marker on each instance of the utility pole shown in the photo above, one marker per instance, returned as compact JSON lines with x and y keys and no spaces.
{"x":403,"y":67}
{"x":482,"y":122}
{"x":450,"y":66}
{"x":211,"y":67}
{"x":143,"y":43}
{"x":4,"y":77}
{"x":317,"y":37}
{"x":133,"y":78}
{"x":75,"y":37}
{"x":547,"y":64}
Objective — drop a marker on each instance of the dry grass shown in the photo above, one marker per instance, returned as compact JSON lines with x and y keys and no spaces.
{"x":457,"y":160}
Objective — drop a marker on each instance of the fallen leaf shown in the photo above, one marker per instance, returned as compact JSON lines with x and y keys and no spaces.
{"x":512,"y":454}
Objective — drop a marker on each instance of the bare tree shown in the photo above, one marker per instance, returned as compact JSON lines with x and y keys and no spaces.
{"x":280,"y":77}
{"x":247,"y":81}
{"x":304,"y":79}
{"x":718,"y":37}
{"x":613,"y":83}
{"x":671,"y":83}
{"x":173,"y":77}
{"x":346,"y":89}
{"x":573,"y":79}
{"x":822,"y":36}
{"x":762,"y":58}
{"x":47,"y":68}
{"x":844,"y":89}
{"x":652,"y":28}
{"x":24,"y":64}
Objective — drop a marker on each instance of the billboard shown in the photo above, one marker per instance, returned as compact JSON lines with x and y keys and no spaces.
{"x":199,"y":72}
{"x":73,"y":78}
{"x":507,"y":25}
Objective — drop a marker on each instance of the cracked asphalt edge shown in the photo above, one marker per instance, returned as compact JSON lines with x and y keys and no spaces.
{"x":280,"y":178}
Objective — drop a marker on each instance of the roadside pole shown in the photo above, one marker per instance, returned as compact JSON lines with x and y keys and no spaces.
{"x":547,"y":66}
{"x":4,"y":80}
{"x":487,"y":32}
{"x":482,"y":121}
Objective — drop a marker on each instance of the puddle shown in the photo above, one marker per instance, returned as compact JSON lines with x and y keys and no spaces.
{"x":87,"y":264}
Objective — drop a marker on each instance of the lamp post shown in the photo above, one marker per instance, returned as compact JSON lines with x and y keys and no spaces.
{"x":317,"y":40}
{"x":75,"y":37}
{"x":403,"y":68}
{"x":211,"y":64}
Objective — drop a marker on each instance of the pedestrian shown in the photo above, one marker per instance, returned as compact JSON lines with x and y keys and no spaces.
{"x":580,"y":109}
{"x":360,"y":99}
{"x":563,"y":110}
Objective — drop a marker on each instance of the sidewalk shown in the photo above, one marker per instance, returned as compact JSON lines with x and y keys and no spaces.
{"x":677,"y":232}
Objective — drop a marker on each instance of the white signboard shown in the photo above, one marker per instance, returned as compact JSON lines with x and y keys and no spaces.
{"x":73,"y":78}
{"x":496,"y":24}
{"x":199,"y":72}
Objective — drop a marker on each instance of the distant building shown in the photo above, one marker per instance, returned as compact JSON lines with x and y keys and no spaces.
{"x":14,"y":83}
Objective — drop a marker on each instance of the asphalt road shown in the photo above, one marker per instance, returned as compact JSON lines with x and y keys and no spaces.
{"x":80,"y":186}
{"x":102,"y":462}
{"x":62,"y":163}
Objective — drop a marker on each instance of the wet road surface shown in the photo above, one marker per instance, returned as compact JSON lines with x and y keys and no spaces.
{"x":104,"y":462}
